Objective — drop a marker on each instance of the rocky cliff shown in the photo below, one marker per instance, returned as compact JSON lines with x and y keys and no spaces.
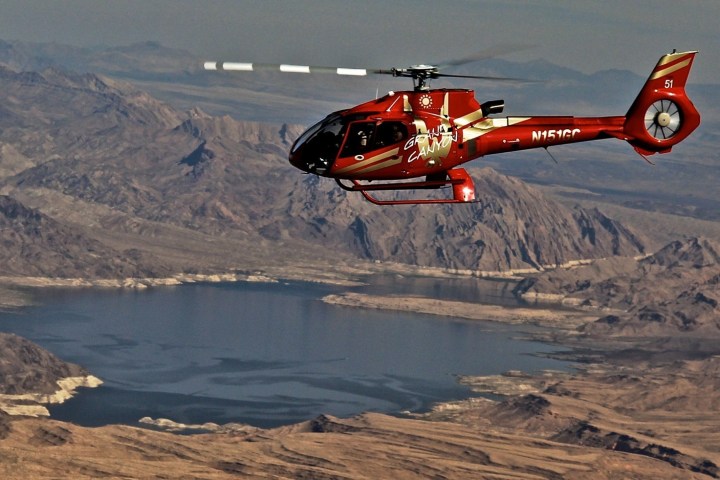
{"x":34,"y":244}
{"x":27,"y":368}
{"x":675,"y":290}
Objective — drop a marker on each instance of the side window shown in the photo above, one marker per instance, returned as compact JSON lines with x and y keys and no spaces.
{"x":365,"y":136}
{"x":389,"y":133}
{"x":360,"y":139}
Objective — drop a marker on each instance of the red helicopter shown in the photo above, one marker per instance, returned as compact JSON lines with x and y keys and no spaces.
{"x":430,"y":132}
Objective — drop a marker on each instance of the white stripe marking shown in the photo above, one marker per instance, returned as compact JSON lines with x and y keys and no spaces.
{"x":243,"y":67}
{"x":352,"y":71}
{"x":295,"y":68}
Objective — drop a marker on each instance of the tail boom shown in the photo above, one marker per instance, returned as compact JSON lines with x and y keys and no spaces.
{"x":660,"y":117}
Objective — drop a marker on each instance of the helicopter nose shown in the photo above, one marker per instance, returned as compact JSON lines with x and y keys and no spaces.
{"x":297,"y":161}
{"x":308,"y":163}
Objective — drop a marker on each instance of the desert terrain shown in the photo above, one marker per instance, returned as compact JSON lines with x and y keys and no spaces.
{"x":635,"y":407}
{"x":104,"y":185}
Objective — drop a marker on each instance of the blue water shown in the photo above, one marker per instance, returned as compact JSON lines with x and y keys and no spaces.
{"x":264,"y":354}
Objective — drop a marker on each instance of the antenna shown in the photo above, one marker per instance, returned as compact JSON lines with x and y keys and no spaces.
{"x":551,"y":155}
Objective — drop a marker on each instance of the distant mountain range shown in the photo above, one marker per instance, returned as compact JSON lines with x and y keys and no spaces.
{"x":90,"y":164}
{"x":36,"y":245}
{"x":684,"y":182}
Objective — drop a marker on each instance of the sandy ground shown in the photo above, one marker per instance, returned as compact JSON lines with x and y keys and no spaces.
{"x":565,"y":319}
{"x":631,"y":410}
{"x":366,"y":447}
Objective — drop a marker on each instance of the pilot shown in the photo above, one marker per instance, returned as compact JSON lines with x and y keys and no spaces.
{"x":397,"y":135}
{"x":389,"y":134}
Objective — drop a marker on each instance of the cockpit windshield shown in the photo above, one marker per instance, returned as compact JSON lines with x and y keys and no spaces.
{"x":330,"y":123}
{"x":316,"y":149}
{"x":319,"y":145}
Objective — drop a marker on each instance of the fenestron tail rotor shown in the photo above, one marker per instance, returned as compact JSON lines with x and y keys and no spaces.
{"x":663,"y":119}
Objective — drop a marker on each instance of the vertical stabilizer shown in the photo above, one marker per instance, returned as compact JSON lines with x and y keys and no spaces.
{"x":662,"y":115}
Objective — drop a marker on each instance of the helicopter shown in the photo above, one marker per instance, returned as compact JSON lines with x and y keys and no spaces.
{"x":392,"y":142}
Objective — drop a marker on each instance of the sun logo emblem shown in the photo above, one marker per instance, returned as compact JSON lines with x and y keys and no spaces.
{"x":426,"y":101}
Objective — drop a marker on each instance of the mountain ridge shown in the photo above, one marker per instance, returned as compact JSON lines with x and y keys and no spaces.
{"x":105,"y":145}
{"x":674,"y":290}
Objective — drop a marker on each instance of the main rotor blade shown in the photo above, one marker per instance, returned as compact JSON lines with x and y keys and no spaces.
{"x":417,"y":71}
{"x":491,"y":52}
{"x":484,"y":77}
{"x":287,"y":68}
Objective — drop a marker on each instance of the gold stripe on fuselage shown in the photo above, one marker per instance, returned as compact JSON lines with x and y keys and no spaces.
{"x":671,"y":57}
{"x":378,"y":166}
{"x":362,"y":164}
{"x":669,"y":70}
{"x":469,"y":118}
{"x":488,"y":125}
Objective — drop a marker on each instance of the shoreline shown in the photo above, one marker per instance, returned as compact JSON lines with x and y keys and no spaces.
{"x":602,"y":416}
{"x":341,"y":275}
{"x":133,"y":283}
{"x":540,"y":316}
{"x":34,"y":404}
{"x":12,"y":298}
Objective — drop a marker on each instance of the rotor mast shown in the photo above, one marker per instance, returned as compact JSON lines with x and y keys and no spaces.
{"x":420,"y":74}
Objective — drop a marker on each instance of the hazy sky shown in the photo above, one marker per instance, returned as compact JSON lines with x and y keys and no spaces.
{"x":586,"y":35}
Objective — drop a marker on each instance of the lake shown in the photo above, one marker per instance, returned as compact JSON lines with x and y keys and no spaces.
{"x":268,"y":354}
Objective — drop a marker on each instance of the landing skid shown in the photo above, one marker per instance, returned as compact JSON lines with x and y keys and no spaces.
{"x":458,"y":178}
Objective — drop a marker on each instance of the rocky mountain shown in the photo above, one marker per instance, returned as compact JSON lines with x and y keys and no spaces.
{"x":28,"y":368}
{"x":31,"y":378}
{"x":513,"y":226}
{"x":124,"y":169}
{"x":675,"y":290}
{"x":607,"y":168}
{"x":34,"y":244}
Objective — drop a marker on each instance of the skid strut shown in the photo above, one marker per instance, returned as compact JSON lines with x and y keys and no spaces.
{"x":458,"y":178}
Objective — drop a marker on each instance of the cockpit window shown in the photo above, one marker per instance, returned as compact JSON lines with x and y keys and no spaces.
{"x":365,"y":136}
{"x":360,"y":139}
{"x":389,"y":133}
{"x":319,"y":146}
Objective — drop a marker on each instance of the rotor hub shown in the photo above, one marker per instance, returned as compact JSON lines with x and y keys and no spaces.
{"x":663,"y":119}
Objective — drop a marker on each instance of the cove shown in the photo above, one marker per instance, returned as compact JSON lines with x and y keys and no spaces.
{"x":267,"y":354}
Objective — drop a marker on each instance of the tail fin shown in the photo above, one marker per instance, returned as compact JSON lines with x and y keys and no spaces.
{"x":662,"y":115}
